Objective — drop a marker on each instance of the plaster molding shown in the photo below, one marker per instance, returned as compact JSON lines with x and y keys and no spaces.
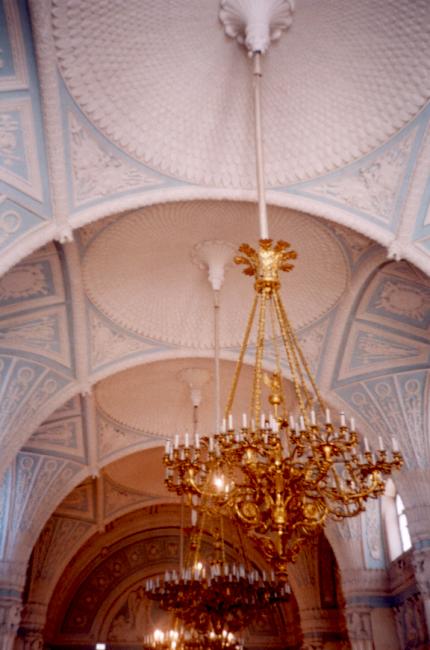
{"x":16,"y":122}
{"x":371,"y":186}
{"x":256,"y":23}
{"x":52,"y":113}
{"x":216,"y":257}
{"x":97,"y":172}
{"x":80,"y":343}
{"x":13,"y":442}
{"x":10,"y":617}
{"x":48,"y":231}
{"x":301,"y":143}
{"x":135,"y":246}
{"x":90,"y":418}
{"x":195,"y":379}
{"x":13,"y":574}
{"x":58,"y":543}
{"x":411,"y":623}
{"x":359,"y":624}
{"x":413,"y":225}
{"x":19,"y":80}
{"x":333,"y":344}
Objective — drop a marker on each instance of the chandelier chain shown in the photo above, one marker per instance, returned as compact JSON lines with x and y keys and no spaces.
{"x":239,"y":364}
{"x":304,"y":362}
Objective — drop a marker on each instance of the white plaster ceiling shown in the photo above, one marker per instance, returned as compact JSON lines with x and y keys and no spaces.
{"x":153,"y":397}
{"x":162,"y":81}
{"x":139,"y":272}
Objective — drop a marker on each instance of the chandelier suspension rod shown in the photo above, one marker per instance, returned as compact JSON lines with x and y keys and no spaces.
{"x":262,"y":208}
{"x":217,"y":407}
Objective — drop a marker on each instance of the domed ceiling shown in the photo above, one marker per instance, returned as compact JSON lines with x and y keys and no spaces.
{"x":141,"y":272}
{"x":156,"y":398}
{"x":165,"y":85}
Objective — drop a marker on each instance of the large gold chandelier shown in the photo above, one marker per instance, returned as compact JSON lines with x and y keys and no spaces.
{"x":283,"y":475}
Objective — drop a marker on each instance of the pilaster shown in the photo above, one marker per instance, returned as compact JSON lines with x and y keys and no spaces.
{"x":421,"y":567}
{"x":10,"y":616}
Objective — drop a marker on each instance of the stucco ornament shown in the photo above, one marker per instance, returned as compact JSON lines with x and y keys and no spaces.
{"x":10,"y":615}
{"x":216,"y":256}
{"x":256,"y":23}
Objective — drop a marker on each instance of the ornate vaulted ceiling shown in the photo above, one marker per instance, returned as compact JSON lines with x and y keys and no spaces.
{"x":126,"y":141}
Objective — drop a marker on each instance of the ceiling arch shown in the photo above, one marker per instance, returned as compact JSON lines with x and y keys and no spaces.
{"x":373,"y":178}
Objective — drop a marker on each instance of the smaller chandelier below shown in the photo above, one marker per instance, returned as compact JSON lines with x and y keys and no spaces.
{"x":190,"y":639}
{"x":217,"y":600}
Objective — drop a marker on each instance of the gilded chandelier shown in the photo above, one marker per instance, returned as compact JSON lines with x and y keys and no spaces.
{"x":281,"y":475}
{"x":215,"y":597}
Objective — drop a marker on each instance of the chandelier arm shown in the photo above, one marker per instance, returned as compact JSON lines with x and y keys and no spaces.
{"x":303,"y":361}
{"x":259,"y":155}
{"x":241,"y":356}
{"x":256,"y":389}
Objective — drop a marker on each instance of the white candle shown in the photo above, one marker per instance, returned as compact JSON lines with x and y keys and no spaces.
{"x":302,"y":423}
{"x":197,"y":441}
{"x":187,"y":439}
{"x":252,"y":424}
{"x":275,"y":426}
{"x":313,"y":418}
{"x":244,"y":420}
{"x":352,"y":424}
{"x":395,"y":444}
{"x":366,"y":444}
{"x":327,"y":416}
{"x":223,"y":426}
{"x":230,"y":422}
{"x":342,"y":419}
{"x":167,"y":449}
{"x":176,"y":440}
{"x":211,"y":443}
{"x":262,"y":421}
{"x":380,"y":443}
{"x":292,"y":423}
